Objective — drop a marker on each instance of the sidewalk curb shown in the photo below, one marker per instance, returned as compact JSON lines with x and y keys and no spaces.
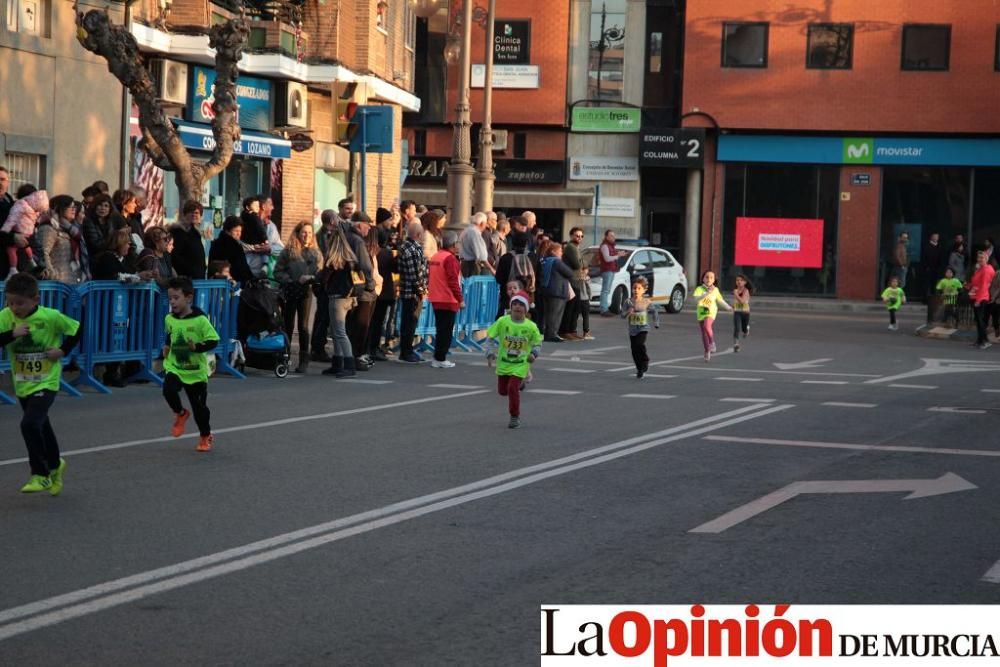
{"x":764,"y":303}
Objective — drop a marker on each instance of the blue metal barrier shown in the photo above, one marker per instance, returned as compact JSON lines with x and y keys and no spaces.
{"x":119,"y":325}
{"x":216,"y":299}
{"x":51,"y":295}
{"x":482,"y":298}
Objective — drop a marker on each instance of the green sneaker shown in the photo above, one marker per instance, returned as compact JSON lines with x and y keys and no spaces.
{"x":57,"y":478}
{"x":37,"y":483}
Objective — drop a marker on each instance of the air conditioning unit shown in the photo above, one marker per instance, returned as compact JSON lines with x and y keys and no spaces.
{"x":290,"y":104}
{"x":499,"y":140}
{"x":170,"y":78}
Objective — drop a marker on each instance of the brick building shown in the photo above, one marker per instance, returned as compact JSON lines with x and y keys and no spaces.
{"x":300,"y":61}
{"x":529,"y":109}
{"x":872,"y":118}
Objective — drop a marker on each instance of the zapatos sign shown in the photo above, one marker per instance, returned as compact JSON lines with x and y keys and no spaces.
{"x":779,"y":634}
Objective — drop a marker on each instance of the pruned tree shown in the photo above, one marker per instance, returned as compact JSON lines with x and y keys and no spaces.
{"x":98,"y":34}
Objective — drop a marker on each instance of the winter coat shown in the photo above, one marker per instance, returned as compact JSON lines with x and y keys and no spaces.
{"x":60,"y":253}
{"x":559,"y":277}
{"x":24,"y":213}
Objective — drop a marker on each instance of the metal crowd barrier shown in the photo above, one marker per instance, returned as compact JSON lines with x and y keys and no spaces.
{"x":482,"y":298}
{"x":124,"y":323}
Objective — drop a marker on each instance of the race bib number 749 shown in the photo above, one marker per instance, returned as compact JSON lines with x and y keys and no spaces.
{"x":31,"y":367}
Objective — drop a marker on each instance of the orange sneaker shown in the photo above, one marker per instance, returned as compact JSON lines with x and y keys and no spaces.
{"x":205,"y":443}
{"x":180,"y":421}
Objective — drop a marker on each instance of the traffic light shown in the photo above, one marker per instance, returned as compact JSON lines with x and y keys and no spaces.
{"x":347,"y":107}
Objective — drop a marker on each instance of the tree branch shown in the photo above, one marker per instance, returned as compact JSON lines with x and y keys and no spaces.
{"x":228,"y":40}
{"x":153,"y":150}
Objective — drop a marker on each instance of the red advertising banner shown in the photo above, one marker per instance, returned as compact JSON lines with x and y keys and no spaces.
{"x":789,"y":242}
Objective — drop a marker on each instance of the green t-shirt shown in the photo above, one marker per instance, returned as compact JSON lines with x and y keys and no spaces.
{"x":516,"y":341}
{"x":893,"y":297}
{"x":190,"y":366}
{"x":949,"y":288}
{"x":33,"y":370}
{"x":708,"y":299}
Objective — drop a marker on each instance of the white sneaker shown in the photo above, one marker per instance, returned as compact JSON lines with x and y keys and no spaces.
{"x":442,"y":364}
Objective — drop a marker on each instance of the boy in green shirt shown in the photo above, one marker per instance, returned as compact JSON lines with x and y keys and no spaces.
{"x":949,"y":287}
{"x":520,"y":344}
{"x":894,"y":298}
{"x":36,"y":339}
{"x":189,"y":336}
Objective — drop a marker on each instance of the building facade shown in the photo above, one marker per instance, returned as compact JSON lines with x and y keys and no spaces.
{"x":59,"y":127}
{"x":833,"y":128}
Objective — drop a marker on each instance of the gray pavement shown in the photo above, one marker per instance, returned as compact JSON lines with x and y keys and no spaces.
{"x":355,"y":523}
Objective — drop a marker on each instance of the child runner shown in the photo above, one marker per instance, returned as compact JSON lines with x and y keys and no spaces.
{"x":949,"y":287}
{"x":36,"y":339}
{"x":520,"y":344}
{"x":709,"y":298}
{"x":741,"y":310}
{"x":894,"y":298}
{"x":189,"y":336}
{"x":639,"y":310}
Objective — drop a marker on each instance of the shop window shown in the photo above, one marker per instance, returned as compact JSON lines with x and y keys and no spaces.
{"x":25,"y":169}
{"x":382,"y":17}
{"x":30,"y":17}
{"x":420,"y":142}
{"x":606,"y":70}
{"x":926,"y":47}
{"x":520,"y":145}
{"x":782,"y":191}
{"x":986,"y":207}
{"x":744,"y":44}
{"x":257,"y":38}
{"x":830,"y":46}
{"x":409,"y":26}
{"x":655,"y":52}
{"x":287,"y":43}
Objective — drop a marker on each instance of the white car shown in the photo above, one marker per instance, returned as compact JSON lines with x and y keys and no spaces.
{"x":667,"y":283}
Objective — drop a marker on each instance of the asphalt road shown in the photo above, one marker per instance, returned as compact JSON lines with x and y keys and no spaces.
{"x":396,"y":520}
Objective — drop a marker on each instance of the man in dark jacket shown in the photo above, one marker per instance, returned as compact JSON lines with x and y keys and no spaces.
{"x":228,"y":248}
{"x":359,"y":319}
{"x":6,"y":201}
{"x":321,"y":322}
{"x":577,"y":305}
{"x":188,"y":255}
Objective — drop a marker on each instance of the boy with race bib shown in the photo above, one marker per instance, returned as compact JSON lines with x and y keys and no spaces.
{"x":520,"y":344}
{"x":36,"y":339}
{"x":639,"y":311}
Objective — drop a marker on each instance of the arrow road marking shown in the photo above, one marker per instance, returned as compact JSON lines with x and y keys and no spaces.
{"x":993,"y":575}
{"x":917,"y":488}
{"x":940,"y":367}
{"x":815,"y":363}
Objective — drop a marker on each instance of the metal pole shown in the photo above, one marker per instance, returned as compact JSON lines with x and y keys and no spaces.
{"x":597,"y":202}
{"x":484,"y":170}
{"x":460,"y":171}
{"x":364,"y":159}
{"x":692,"y":224}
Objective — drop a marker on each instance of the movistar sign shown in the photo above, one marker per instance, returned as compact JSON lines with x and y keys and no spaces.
{"x":859,"y":150}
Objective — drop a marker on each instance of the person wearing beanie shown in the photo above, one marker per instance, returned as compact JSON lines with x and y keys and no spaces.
{"x":445,"y":295}
{"x":519,"y":342}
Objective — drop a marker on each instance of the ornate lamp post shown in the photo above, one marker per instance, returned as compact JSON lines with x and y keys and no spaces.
{"x":460,"y":171}
{"x":484,"y":170}
{"x":613,"y":34}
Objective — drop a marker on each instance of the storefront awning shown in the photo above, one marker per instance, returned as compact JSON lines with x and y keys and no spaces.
{"x":502,"y":198}
{"x":198,"y":136}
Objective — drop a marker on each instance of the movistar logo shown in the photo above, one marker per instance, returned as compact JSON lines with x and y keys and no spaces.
{"x":859,"y":151}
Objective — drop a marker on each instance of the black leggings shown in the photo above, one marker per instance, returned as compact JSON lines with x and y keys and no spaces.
{"x":741,"y":324}
{"x":197,"y":394}
{"x":296,"y":314}
{"x":39,"y":438}
{"x":982,"y":312}
{"x":444,"y":322}
{"x":639,"y":356}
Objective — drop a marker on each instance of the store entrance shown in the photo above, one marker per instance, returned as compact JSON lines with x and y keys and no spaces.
{"x":664,"y":226}
{"x":241,"y":179}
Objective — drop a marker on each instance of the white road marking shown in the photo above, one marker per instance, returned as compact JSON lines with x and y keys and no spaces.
{"x":729,"y":379}
{"x":357,"y":380}
{"x":824,"y":382}
{"x":584,"y":352}
{"x":657,"y":375}
{"x":748,"y":400}
{"x":838,"y":404}
{"x":963,"y":411}
{"x":250,"y":427}
{"x":814,"y":363}
{"x":993,"y":575}
{"x":912,"y":386}
{"x":556,"y":392}
{"x":942,"y":366}
{"x":54,"y":610}
{"x":663,"y":396}
{"x":455,"y":386}
{"x":990,"y":391}
{"x":989,"y":453}
{"x":572,"y":370}
{"x":759,"y":370}
{"x":664,"y":362}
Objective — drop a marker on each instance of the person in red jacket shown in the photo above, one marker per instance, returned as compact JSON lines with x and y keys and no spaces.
{"x":979,"y":293}
{"x":445,"y":295}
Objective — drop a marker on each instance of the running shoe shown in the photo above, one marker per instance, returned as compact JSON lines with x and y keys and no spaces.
{"x":587,"y":336}
{"x":205,"y":443}
{"x":514,"y":422}
{"x":37,"y":483}
{"x":712,"y":349}
{"x":985,"y":345}
{"x":180,"y":421}
{"x":412,"y":358}
{"x":708,"y":357}
{"x":442,"y":364}
{"x":736,"y":346}
{"x":56,"y":477}
{"x":639,"y":375}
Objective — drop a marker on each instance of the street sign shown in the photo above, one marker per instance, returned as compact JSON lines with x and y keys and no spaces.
{"x":301,"y":142}
{"x":375,"y":129}
{"x":605,"y":119}
{"x":672,"y":147}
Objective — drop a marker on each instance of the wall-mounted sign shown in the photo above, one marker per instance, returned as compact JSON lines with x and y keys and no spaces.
{"x":861,"y":179}
{"x":599,"y":168}
{"x":672,"y":147}
{"x":859,"y":150}
{"x":253,"y":96}
{"x":255,"y":144}
{"x":605,"y":119}
{"x":523,"y":172}
{"x":787,"y":242}
{"x":612,"y":207}
{"x":301,"y":142}
{"x":512,"y":42}
{"x":507,"y":76}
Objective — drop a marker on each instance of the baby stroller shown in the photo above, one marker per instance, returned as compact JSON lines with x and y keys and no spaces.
{"x":259,"y":320}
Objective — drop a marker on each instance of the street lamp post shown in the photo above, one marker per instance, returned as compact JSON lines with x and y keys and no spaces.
{"x":460,"y":171}
{"x":484,"y":170}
